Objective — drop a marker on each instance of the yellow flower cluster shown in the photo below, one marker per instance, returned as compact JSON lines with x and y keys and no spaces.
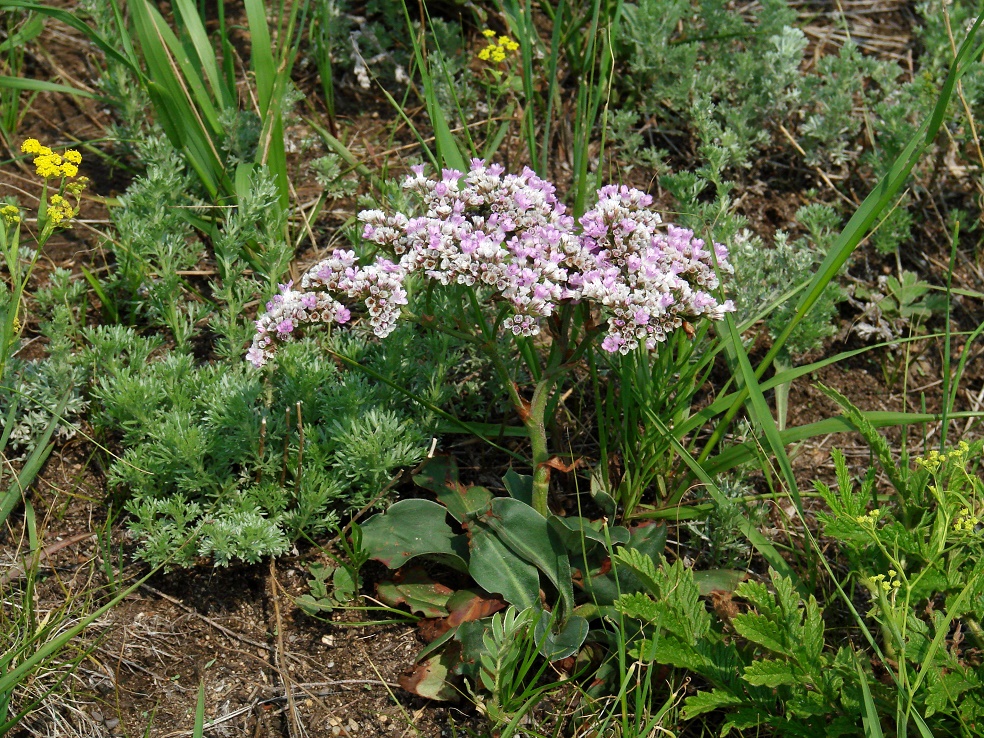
{"x":11,"y":214}
{"x":966,"y":522}
{"x":49,"y":164}
{"x":869,"y":520}
{"x":887,"y":583}
{"x":934,"y":459}
{"x":59,"y":210}
{"x":497,"y":49}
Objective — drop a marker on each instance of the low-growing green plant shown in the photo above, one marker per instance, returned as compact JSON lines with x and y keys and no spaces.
{"x":513,"y":553}
{"x":32,"y":405}
{"x":916,"y":558}
{"x":223,"y":463}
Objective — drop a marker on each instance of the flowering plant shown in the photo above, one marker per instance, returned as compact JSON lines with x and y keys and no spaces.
{"x":54,"y":211}
{"x":631,"y":281}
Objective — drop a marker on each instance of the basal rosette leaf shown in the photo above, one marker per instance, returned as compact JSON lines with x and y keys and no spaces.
{"x":412,"y":528}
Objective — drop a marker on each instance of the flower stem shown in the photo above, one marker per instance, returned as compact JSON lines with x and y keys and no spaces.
{"x":537,"y":428}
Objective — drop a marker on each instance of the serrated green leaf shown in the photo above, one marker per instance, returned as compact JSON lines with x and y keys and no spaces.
{"x":944,"y":691}
{"x":639,"y":606}
{"x":813,"y":633}
{"x":703,"y":702}
{"x":768,"y":673}
{"x":760,"y":630}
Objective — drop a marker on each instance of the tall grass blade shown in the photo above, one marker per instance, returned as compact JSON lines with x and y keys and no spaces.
{"x":870,"y":720}
{"x":446,"y":147}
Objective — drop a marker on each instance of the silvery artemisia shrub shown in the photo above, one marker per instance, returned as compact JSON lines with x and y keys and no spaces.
{"x":508,"y":235}
{"x":198,"y":483}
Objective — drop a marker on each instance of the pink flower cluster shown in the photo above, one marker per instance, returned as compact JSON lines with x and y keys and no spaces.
{"x":510,"y":234}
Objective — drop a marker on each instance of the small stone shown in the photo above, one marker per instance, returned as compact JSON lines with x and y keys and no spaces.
{"x":353,"y":726}
{"x":328,"y":640}
{"x":336,"y":730}
{"x":97,"y":716}
{"x":383,"y":719}
{"x":112,"y":723}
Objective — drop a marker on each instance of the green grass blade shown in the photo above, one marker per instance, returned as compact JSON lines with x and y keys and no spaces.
{"x":870,"y":720}
{"x":447,"y":152}
{"x":759,"y":541}
{"x":199,"y":729}
{"x":38,"y":85}
{"x":192,"y":24}
{"x":745,"y":452}
{"x":72,"y":21}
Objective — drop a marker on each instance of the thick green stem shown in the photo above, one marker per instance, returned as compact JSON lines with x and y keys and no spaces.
{"x":536,"y":426}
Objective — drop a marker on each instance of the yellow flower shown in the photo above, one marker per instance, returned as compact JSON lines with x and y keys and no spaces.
{"x":31,"y":146}
{"x":497,"y":48}
{"x":59,"y":210}
{"x":73,"y":156}
{"x":69,"y":170}
{"x":76,"y":187}
{"x":10,"y":214}
{"x":48,"y":165}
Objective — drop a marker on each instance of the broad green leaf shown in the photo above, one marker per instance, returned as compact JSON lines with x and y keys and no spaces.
{"x":411,"y":528}
{"x":554,"y":644}
{"x":498,"y":570}
{"x":417,"y":591}
{"x":519,"y":486}
{"x":429,"y":678}
{"x":440,"y":475}
{"x":531,"y":537}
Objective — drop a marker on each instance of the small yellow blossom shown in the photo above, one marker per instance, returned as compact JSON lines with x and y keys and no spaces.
{"x":10,"y":214}
{"x":59,"y":210}
{"x":497,"y":49}
{"x":48,"y":165}
{"x":76,"y":187}
{"x":966,"y":521}
{"x":879,"y":581}
{"x":869,"y":520}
